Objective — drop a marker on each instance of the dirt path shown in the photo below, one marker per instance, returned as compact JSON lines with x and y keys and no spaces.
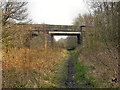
{"x":70,"y":83}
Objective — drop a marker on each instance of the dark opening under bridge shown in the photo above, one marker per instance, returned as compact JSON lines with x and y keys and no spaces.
{"x":70,"y":33}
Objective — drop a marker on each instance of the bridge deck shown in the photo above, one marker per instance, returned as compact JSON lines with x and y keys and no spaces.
{"x":64,"y":33}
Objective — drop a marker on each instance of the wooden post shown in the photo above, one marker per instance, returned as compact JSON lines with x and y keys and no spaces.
{"x":45,"y":40}
{"x":1,"y":46}
{"x":45,"y":36}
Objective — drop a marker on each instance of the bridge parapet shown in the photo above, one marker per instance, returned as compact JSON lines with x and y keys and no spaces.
{"x":58,"y":27}
{"x":47,"y":27}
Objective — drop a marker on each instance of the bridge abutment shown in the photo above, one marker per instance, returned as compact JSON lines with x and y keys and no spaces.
{"x":52,"y":39}
{"x":78,"y":39}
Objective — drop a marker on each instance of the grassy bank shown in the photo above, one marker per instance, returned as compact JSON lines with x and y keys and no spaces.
{"x":27,"y":68}
{"x":83,"y":80}
{"x":58,"y":79}
{"x":104,"y":63}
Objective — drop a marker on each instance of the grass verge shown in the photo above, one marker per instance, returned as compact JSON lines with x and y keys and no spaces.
{"x":83,"y":80}
{"x":58,"y":79}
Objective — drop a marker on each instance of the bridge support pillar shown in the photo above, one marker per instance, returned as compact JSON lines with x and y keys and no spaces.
{"x":52,"y":39}
{"x":78,"y":39}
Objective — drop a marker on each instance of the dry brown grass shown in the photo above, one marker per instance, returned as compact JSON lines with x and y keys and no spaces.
{"x":27,"y":68}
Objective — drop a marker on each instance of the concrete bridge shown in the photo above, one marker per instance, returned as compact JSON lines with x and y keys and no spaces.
{"x":60,"y":30}
{"x":33,"y":30}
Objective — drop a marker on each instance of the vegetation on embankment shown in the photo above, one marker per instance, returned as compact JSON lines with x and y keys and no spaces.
{"x":99,"y":48}
{"x":27,"y":63}
{"x":27,"y":68}
{"x":104,"y":64}
{"x":83,"y":79}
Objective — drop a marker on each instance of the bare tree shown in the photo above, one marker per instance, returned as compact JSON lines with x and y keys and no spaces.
{"x":14,"y":12}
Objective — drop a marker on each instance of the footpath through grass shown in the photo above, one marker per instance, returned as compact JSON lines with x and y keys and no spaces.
{"x":83,"y":80}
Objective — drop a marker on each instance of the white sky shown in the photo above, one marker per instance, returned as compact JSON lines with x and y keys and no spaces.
{"x":56,"y":12}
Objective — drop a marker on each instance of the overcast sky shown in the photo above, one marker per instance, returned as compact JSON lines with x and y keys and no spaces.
{"x":56,"y":12}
